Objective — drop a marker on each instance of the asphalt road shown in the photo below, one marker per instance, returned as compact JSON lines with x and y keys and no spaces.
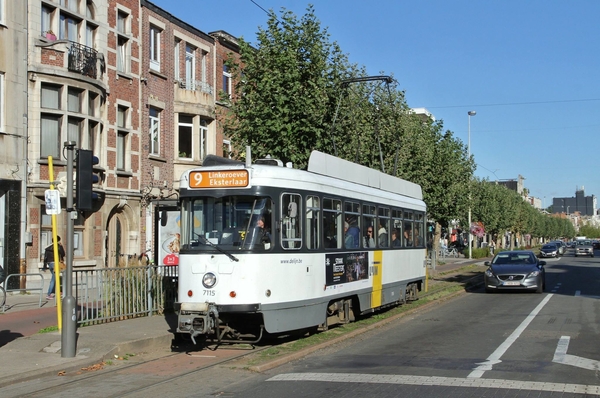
{"x":505,"y":344}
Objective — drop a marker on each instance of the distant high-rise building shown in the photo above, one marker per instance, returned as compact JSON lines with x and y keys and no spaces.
{"x":585,"y":205}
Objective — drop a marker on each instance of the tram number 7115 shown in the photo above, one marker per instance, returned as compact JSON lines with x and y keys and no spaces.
{"x":208,"y":292}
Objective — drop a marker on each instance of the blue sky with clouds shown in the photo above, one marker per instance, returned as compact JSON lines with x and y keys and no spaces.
{"x":530,"y":69}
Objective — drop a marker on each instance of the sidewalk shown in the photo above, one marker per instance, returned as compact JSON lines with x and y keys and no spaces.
{"x":27,"y":354}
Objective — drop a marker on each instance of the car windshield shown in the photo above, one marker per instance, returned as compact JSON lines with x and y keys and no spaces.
{"x":513,"y":258}
{"x":549,"y":247}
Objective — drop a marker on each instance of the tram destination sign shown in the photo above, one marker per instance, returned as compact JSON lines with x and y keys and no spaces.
{"x":219,"y":179}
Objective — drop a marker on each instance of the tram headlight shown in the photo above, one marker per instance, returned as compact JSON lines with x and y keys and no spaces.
{"x":209,"y":280}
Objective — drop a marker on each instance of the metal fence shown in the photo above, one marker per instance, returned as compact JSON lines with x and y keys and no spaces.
{"x":112,"y":294}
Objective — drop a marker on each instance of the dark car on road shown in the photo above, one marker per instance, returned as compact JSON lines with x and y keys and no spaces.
{"x":515,"y":270}
{"x":549,"y":250}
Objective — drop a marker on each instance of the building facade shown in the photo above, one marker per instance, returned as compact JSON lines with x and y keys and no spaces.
{"x":584,"y":205}
{"x":13,"y":137}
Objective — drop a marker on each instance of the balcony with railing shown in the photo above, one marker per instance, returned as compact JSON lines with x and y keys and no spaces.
{"x":196,"y":85}
{"x":194,"y":91}
{"x":83,"y":59}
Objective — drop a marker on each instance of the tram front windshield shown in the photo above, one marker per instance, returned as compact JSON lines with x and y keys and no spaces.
{"x":226,"y":223}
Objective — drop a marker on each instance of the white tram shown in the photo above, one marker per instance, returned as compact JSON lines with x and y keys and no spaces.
{"x":309,"y":262}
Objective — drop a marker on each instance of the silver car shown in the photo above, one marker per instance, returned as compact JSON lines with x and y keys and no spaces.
{"x":515,"y":270}
{"x":584,"y":248}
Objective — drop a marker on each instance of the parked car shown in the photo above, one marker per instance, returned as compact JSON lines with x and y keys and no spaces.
{"x":584,"y":248}
{"x":515,"y":270}
{"x":561,"y":246}
{"x":549,"y":250}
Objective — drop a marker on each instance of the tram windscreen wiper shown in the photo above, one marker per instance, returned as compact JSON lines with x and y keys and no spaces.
{"x":208,"y":242}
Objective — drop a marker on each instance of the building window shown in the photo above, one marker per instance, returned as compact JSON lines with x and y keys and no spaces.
{"x":176,"y":59}
{"x":74,"y":100}
{"x":122,"y":22}
{"x":122,"y":136}
{"x":74,"y":130}
{"x":121,"y":149}
{"x":154,"y":48}
{"x":186,"y":128}
{"x":122,"y":42}
{"x":93,"y":129}
{"x":46,"y":19}
{"x":226,"y":80}
{"x":92,"y":104}
{"x":203,"y":137}
{"x":90,"y":34}
{"x":154,"y":131}
{"x":50,"y":96}
{"x":72,"y":5}
{"x":122,"y":116}
{"x":69,"y":28}
{"x":50,"y":136}
{"x":190,"y":66}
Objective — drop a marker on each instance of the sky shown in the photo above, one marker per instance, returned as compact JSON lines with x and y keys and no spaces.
{"x":530,"y":70}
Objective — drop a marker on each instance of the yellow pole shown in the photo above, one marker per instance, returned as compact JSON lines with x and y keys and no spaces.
{"x":56,"y":269}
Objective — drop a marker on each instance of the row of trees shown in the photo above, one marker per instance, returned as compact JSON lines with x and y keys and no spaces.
{"x":296,"y":92}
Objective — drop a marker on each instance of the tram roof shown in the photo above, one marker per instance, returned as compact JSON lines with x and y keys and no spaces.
{"x":331,"y":166}
{"x":324,"y":165}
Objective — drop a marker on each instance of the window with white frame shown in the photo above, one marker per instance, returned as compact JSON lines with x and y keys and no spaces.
{"x":154,"y":131}
{"x":185,"y":135}
{"x":154,"y":48}
{"x":203,"y":137}
{"x":226,"y":80}
{"x":190,"y":66}
{"x":122,"y":42}
{"x":69,"y":27}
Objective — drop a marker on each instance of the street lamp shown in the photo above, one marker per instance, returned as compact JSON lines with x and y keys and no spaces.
{"x":470,"y":113}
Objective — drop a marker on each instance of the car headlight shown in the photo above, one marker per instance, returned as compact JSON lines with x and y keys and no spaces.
{"x":209,"y":279}
{"x":489,"y":273}
{"x":533,"y":274}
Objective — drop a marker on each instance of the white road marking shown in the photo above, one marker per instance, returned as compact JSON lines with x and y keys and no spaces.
{"x":496,"y":355}
{"x":438,"y":381}
{"x":561,"y":356}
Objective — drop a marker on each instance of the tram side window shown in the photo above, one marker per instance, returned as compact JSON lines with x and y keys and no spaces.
{"x":419,"y":230}
{"x":291,"y":208}
{"x":352,"y":225}
{"x":369,"y":227}
{"x":383,"y":235}
{"x":409,"y":239}
{"x":312,"y":227}
{"x":396,"y":228}
{"x":333,"y":224}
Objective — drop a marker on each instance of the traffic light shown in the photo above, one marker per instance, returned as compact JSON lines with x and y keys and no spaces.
{"x":85,"y":180}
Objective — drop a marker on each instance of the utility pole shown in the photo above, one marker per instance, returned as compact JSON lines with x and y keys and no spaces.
{"x":69,"y":315}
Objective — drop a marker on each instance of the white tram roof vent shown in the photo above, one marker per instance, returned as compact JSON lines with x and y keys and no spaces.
{"x":270,"y":161}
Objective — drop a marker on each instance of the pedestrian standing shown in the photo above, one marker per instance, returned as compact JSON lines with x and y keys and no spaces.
{"x":49,"y":263}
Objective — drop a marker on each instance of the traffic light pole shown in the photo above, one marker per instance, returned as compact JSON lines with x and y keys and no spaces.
{"x":69,"y":316}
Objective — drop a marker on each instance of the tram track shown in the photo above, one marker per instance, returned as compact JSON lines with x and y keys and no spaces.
{"x":145,"y":373}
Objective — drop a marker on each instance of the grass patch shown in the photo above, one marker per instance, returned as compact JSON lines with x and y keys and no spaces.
{"x":275,"y":352}
{"x":49,"y":329}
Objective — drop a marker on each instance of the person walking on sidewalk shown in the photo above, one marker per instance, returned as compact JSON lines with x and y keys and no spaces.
{"x":49,"y":263}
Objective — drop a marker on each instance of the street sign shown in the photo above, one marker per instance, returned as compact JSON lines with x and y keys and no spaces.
{"x":52,"y":197}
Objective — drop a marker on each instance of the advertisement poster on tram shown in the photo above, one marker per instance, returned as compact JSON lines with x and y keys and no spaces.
{"x":169,"y":240}
{"x":345,"y":267}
